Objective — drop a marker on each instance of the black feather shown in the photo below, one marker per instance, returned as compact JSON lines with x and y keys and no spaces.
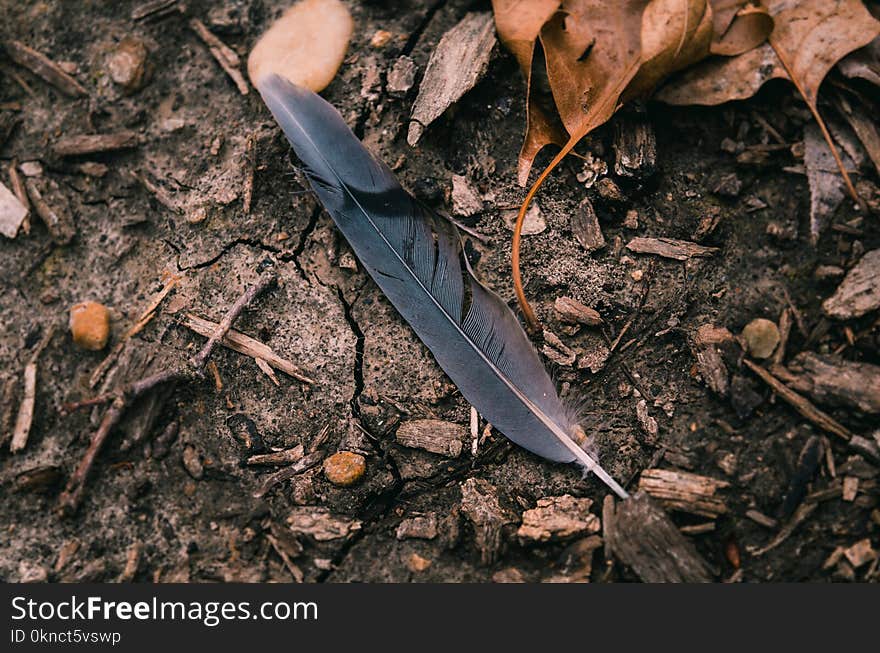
{"x":415,"y":258}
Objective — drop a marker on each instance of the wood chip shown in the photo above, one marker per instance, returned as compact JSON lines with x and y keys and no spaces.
{"x":25,"y":417}
{"x":684,"y":491}
{"x":680,"y":250}
{"x":859,"y":293}
{"x":762,"y":519}
{"x":95,"y":143}
{"x":850,"y":488}
{"x":585,"y":226}
{"x":320,"y":524}
{"x":436,"y":436}
{"x":834,"y":381}
{"x":43,"y":67}
{"x":558,"y":518}
{"x":572,"y":311}
{"x":419,"y":527}
{"x":479,"y":503}
{"x":860,"y":553}
{"x":284,"y":457}
{"x":635,"y":146}
{"x":225,"y":56}
{"x":799,"y":403}
{"x":459,"y":61}
{"x":57,"y":219}
{"x":246,"y":345}
{"x":645,"y":539}
{"x":12,"y":212}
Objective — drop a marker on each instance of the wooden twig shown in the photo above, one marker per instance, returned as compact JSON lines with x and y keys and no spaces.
{"x":72,"y":495}
{"x":799,"y":403}
{"x":153,"y":8}
{"x":80,"y":144}
{"x":237,"y":341}
{"x":300,"y":466}
{"x":225,"y":56}
{"x":250,"y":173}
{"x":43,"y":67}
{"x":26,"y":409}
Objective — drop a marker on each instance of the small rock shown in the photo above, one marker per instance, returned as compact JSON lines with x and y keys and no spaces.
{"x":380,"y":38}
{"x":31,"y":573}
{"x":631,"y":221}
{"x":305,"y":46}
{"x":533,"y":223}
{"x":344,"y":468}
{"x":572,"y":311}
{"x":646,"y":422}
{"x":860,"y":553}
{"x":128,"y":64}
{"x":558,"y":518}
{"x":12,"y":212}
{"x":729,"y":185}
{"x":31,"y":168}
{"x":593,"y":356}
{"x":422,"y":527}
{"x":726,"y":462}
{"x":192,"y":462}
{"x":760,"y":337}
{"x":466,"y":201}
{"x":90,"y":325}
{"x":417,"y":563}
{"x":401,"y":77}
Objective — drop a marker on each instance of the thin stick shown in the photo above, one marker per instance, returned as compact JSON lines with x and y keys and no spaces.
{"x":800,"y":404}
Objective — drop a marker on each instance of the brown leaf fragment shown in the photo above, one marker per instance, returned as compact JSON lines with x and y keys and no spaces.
{"x":680,"y":250}
{"x":684,"y":491}
{"x":859,"y":293}
{"x":95,"y":143}
{"x":834,"y":381}
{"x":645,"y":539}
{"x":518,"y":23}
{"x":558,"y":518}
{"x":459,"y":61}
{"x":738,"y":26}
{"x":43,"y":67}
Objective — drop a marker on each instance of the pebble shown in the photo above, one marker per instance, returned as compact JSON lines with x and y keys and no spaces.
{"x":344,"y":468}
{"x":128,"y":64}
{"x":401,"y":77}
{"x":534,"y":222}
{"x":90,"y":325}
{"x":417,"y":563}
{"x":380,"y":38}
{"x":466,"y":201}
{"x":306,"y":45}
{"x":192,"y":462}
{"x":761,"y":337}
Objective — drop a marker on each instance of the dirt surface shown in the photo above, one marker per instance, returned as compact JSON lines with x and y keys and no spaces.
{"x":371,"y":372}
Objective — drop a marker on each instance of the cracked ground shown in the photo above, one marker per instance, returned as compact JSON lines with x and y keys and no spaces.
{"x":326,"y":316}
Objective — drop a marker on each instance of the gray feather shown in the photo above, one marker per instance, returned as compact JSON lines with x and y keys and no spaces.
{"x":415,"y":258}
